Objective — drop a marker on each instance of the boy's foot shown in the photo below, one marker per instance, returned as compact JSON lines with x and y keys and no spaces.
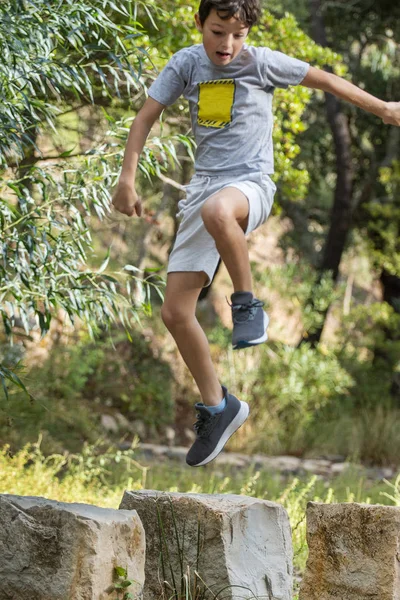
{"x":214,"y":430}
{"x":250,"y":321}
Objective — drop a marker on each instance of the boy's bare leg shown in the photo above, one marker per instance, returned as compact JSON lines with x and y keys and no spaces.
{"x":225,"y":216}
{"x":179,"y":315}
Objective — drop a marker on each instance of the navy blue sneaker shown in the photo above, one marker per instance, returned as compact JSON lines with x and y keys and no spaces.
{"x":250,"y":321}
{"x":214,"y":430}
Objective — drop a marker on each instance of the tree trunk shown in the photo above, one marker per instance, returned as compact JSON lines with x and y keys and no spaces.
{"x":391,"y":294}
{"x":341,"y":214}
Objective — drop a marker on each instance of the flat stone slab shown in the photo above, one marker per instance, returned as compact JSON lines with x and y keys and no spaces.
{"x":354,"y":552}
{"x":59,"y":551}
{"x":228,"y":540}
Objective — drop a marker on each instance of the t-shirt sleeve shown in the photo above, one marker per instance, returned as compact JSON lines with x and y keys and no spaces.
{"x":171,"y":82}
{"x":282,"y":70}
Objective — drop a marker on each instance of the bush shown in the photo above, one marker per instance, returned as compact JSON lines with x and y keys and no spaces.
{"x":79,"y":381}
{"x":129,"y":377}
{"x":291,"y":390}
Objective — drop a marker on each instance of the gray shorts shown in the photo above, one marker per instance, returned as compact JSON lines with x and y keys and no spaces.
{"x":194,"y":248}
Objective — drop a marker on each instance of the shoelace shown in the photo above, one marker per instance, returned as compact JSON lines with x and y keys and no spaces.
{"x":203,"y":424}
{"x":245,"y":312}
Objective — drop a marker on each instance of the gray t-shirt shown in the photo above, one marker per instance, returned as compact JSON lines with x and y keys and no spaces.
{"x":230,"y":105}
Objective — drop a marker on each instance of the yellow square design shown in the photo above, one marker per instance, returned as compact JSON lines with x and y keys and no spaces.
{"x":216,"y":99}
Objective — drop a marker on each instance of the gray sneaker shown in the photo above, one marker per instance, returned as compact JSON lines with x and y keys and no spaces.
{"x":213,"y":431}
{"x":249,"y":320}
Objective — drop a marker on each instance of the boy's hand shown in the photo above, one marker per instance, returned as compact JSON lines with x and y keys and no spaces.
{"x":125,"y":199}
{"x":392,"y":114}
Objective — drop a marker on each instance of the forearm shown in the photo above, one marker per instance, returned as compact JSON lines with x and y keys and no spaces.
{"x":138,"y":134}
{"x":328,"y":82}
{"x":351,"y":93}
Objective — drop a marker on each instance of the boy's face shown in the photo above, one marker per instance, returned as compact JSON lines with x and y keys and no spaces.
{"x":222,"y":38}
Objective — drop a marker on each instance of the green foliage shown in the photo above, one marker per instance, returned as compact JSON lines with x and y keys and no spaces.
{"x":285,"y":35}
{"x":297,"y":281}
{"x":122,"y":582}
{"x":370,"y":435}
{"x":290,"y":392}
{"x":83,"y":53}
{"x":129,"y":377}
{"x":395,"y":495}
{"x":96,"y":475}
{"x":11,"y":375}
{"x":158,"y":154}
{"x":367,"y":39}
{"x":57,"y":396}
{"x":365,"y":328}
{"x":60,"y":51}
{"x":336,"y":399}
{"x":80,"y":378}
{"x":369,"y":342}
{"x":58,"y":57}
{"x":173,"y":29}
{"x":384,"y":222}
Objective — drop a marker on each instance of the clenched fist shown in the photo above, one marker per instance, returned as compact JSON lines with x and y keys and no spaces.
{"x":125,"y":199}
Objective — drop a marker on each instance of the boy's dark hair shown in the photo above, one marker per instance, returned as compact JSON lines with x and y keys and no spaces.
{"x":247,"y":11}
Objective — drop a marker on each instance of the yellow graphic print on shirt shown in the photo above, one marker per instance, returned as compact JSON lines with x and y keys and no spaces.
{"x":215,"y":103}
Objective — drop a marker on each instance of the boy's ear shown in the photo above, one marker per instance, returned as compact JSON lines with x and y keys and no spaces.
{"x":197,"y":21}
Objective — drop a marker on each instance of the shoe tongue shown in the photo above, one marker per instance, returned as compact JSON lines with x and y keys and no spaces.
{"x":241,"y":297}
{"x":202,"y":408}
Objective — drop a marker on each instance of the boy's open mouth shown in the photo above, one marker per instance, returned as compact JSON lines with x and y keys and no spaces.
{"x":223,"y":54}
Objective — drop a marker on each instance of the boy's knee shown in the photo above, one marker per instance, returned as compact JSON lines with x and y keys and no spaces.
{"x":174,"y":314}
{"x":216,"y":214}
{"x":166,"y":314}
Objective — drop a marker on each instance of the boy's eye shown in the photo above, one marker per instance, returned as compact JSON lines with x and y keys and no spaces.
{"x":217,"y":32}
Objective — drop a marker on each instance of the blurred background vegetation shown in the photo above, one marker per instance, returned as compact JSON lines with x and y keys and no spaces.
{"x":81,"y":286}
{"x":84,"y":355}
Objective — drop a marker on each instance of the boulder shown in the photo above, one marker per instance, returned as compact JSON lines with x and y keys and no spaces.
{"x":353,"y":552}
{"x":109,"y":423}
{"x":58,"y":551}
{"x":214,"y":540}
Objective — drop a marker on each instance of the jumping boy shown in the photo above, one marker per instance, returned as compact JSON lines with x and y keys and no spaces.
{"x":230,"y":88}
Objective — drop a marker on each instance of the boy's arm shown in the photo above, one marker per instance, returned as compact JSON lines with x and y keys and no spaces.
{"x":328,"y":82}
{"x":125,"y":198}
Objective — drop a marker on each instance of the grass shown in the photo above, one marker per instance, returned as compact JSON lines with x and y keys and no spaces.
{"x":100,"y":475}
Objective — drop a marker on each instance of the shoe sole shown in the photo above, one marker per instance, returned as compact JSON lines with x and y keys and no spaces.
{"x":229,"y":431}
{"x":260,"y":340}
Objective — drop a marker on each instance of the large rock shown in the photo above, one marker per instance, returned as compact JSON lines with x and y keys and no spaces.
{"x":229,"y":540}
{"x":353,"y":552}
{"x":57,"y":551}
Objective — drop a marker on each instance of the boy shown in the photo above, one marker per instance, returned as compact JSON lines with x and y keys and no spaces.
{"x":230,"y":87}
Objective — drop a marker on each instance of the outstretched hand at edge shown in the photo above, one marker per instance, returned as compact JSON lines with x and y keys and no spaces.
{"x":392,"y":114}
